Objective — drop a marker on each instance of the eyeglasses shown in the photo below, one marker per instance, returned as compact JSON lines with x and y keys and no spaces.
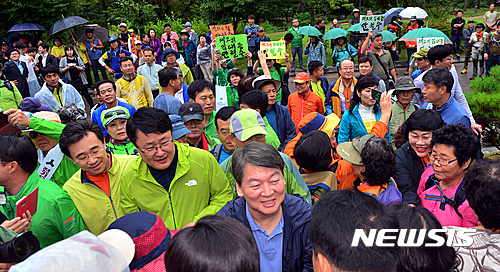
{"x":191,"y":122}
{"x":441,"y":162}
{"x":256,"y":137}
{"x":150,"y":151}
{"x":33,"y":134}
{"x":93,"y":152}
{"x":110,"y":114}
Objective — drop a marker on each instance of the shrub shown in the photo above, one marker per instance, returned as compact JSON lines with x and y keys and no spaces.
{"x":304,"y":18}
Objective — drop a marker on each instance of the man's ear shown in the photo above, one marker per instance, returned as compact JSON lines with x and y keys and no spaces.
{"x":191,"y":100}
{"x":321,"y":263}
{"x":238,"y":189}
{"x":442,"y":90}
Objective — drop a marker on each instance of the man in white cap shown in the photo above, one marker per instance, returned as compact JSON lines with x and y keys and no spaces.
{"x":124,"y":35}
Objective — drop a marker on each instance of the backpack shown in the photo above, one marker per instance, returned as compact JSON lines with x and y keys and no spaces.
{"x":7,"y":85}
{"x":217,"y":151}
{"x":285,"y":91}
{"x":319,"y":189}
{"x":455,"y":202}
{"x":389,"y":196}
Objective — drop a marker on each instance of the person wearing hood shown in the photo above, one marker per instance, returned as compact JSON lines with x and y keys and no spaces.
{"x":342,"y":51}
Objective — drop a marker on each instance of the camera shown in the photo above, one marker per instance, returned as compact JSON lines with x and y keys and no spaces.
{"x":376,"y":94}
{"x":19,"y":249}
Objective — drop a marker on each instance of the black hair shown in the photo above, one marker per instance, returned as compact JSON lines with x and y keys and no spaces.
{"x":126,"y":58}
{"x":12,"y":50}
{"x":75,"y":131}
{"x":149,"y":31}
{"x":379,"y":160}
{"x":313,"y":151}
{"x":148,"y":120}
{"x":136,"y":31}
{"x":69,"y":47}
{"x":364,"y":81}
{"x":313,"y":66}
{"x":32,"y":49}
{"x":167,"y":74}
{"x":258,"y":154}
{"x":439,"y":76}
{"x":319,"y":21}
{"x":438,"y":52}
{"x":288,"y":37}
{"x":460,"y":11}
{"x":19,"y":148}
{"x":365,"y":59}
{"x":465,"y":143}
{"x":167,"y":24}
{"x":236,"y":72}
{"x":56,"y":39}
{"x":148,"y":49}
{"x":49,"y":69}
{"x":199,"y":86}
{"x":256,"y":100}
{"x":482,"y":187}
{"x":216,"y":244}
{"x":423,"y":120}
{"x":245,"y":85}
{"x":335,"y":218}
{"x":422,"y":258}
{"x":20,"y":45}
{"x":44,"y":46}
{"x":224,"y":114}
{"x":100,"y":82}
{"x":143,"y":35}
{"x":251,"y":16}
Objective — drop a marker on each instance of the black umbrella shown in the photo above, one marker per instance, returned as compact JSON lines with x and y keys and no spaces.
{"x":99,"y":32}
{"x":26,"y":27}
{"x":66,"y":23}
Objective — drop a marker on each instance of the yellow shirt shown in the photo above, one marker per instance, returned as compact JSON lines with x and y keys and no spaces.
{"x":81,"y":51}
{"x":136,"y":92}
{"x":316,"y":88}
{"x":58,"y":51}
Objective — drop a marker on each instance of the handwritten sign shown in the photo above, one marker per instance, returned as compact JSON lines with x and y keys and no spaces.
{"x":429,"y":42}
{"x":233,"y":46}
{"x":274,"y":50}
{"x":221,"y":30}
{"x":371,"y":22}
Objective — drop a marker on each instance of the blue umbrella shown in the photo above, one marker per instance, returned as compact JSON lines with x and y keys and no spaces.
{"x":26,"y":27}
{"x":19,"y":36}
{"x":390,"y":13}
{"x":66,"y":23}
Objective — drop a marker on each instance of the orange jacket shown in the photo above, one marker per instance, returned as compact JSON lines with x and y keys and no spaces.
{"x":408,"y":29}
{"x":300,"y":105}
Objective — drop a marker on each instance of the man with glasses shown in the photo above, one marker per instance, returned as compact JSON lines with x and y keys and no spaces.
{"x":338,"y":97}
{"x":106,"y":89}
{"x":192,"y":116}
{"x":177,"y":182}
{"x":224,"y":150}
{"x":303,"y":101}
{"x":170,"y":83}
{"x":95,"y":189}
{"x":56,"y":217}
{"x":45,"y":128}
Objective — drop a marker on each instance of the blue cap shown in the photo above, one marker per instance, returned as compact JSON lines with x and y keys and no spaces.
{"x":178,"y":127}
{"x":112,"y":39}
{"x":187,"y":24}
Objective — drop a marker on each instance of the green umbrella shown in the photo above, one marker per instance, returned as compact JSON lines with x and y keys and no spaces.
{"x":335,"y":33}
{"x":309,"y":31}
{"x":424,"y":32}
{"x":388,"y":36}
{"x":354,"y":27}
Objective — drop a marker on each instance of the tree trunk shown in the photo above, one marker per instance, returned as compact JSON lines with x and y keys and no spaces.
{"x":478,"y":4}
{"x":465,"y":5}
{"x":106,"y":16}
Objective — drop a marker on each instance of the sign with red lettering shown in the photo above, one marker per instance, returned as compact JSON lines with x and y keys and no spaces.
{"x":221,"y":30}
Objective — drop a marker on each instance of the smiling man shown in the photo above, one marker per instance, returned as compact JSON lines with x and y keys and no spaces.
{"x":338,"y":97}
{"x":96,"y":188}
{"x":279,"y":222}
{"x":225,"y":149}
{"x":192,"y":116}
{"x":202,"y":92}
{"x":133,"y":87}
{"x":177,"y":182}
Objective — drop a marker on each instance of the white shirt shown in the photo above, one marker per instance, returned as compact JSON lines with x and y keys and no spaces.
{"x":44,"y":59}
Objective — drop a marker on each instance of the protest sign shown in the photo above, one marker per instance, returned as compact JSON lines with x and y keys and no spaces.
{"x":274,"y":50}
{"x":429,"y":42}
{"x":233,"y":46}
{"x":371,"y":22}
{"x":221,"y":30}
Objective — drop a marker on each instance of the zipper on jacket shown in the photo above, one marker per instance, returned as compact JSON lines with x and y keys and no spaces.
{"x":172,"y":208}
{"x":109,"y":196}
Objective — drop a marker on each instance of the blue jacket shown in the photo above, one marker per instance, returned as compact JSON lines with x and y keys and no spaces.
{"x":344,"y":53}
{"x":452,"y":112}
{"x":351,"y":125}
{"x":190,"y":52}
{"x":297,"y":250}
{"x":96,"y":114}
{"x":94,"y":54}
{"x":286,"y":127}
{"x":185,"y":92}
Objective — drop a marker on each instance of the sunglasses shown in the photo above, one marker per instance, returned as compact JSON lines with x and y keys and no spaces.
{"x":113,"y":113}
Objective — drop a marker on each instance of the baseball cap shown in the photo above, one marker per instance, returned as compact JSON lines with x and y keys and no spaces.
{"x":112,"y":39}
{"x":261,"y":29}
{"x":32,"y":104}
{"x":137,"y":42}
{"x":191,"y":111}
{"x":114,"y":113}
{"x":422,"y":53}
{"x":302,"y":77}
{"x":355,"y":10}
{"x":351,"y":151}
{"x":120,"y":240}
{"x":471,"y":21}
{"x":122,"y":24}
{"x":179,"y":71}
{"x":47,"y":115}
{"x":187,"y":24}
{"x":265,"y":78}
{"x":316,"y":121}
{"x":178,"y":127}
{"x":405,"y":83}
{"x":413,"y":18}
{"x":4,"y":43}
{"x":246,"y":123}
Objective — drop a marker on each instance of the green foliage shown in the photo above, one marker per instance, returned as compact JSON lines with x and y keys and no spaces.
{"x":304,"y":18}
{"x":136,"y":13}
{"x":484,"y":102}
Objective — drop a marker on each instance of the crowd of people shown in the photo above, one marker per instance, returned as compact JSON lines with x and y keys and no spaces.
{"x":272,"y":181}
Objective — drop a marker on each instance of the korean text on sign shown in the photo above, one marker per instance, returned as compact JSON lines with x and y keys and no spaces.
{"x":371,"y":22}
{"x":233,"y":46}
{"x":274,"y":50}
{"x":429,"y":42}
{"x":221,"y":30}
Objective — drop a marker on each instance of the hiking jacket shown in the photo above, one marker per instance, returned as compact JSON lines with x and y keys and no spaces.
{"x":9,"y":99}
{"x":297,"y":250}
{"x":467,"y":34}
{"x":343,"y":53}
{"x":198,"y":188}
{"x":136,"y":91}
{"x":94,"y":53}
{"x":52,"y":129}
{"x":352,"y":126}
{"x":122,"y":149}
{"x":316,"y":53}
{"x":409,"y":169}
{"x":335,"y":101}
{"x":56,"y":216}
{"x":114,"y":58}
{"x":189,"y":52}
{"x":96,"y":114}
{"x":297,"y":38}
{"x":98,"y":210}
{"x":301,"y":105}
{"x":68,"y":95}
{"x":286,"y":127}
{"x":324,"y":86}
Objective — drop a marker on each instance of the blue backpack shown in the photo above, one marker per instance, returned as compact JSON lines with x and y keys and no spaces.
{"x":389,"y":196}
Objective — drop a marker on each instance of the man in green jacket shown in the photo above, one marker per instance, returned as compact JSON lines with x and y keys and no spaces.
{"x":10,"y":97}
{"x":192,"y":116}
{"x":247,"y":126}
{"x":56,"y":217}
{"x":296,"y":43}
{"x":96,"y":188}
{"x":45,"y":129}
{"x":177,"y":182}
{"x":203,"y":93}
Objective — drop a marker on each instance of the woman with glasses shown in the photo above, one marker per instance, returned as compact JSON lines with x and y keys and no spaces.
{"x":454,"y":148}
{"x":115,"y":122}
{"x":365,"y":110}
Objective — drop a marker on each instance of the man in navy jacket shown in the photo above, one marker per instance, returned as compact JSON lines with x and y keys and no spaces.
{"x":16,"y":72}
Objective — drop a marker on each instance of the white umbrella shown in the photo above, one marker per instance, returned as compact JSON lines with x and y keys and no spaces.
{"x":407,"y":13}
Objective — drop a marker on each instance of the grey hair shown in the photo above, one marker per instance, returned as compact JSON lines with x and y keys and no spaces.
{"x":348,"y":60}
{"x":258,"y":154}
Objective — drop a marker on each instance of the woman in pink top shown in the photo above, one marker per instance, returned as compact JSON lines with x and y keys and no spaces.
{"x":454,"y":147}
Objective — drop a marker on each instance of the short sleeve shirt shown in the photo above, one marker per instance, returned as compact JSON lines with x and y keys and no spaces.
{"x":491,"y":17}
{"x":386,"y":59}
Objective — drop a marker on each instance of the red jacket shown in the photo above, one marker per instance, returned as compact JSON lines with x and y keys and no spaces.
{"x":300,"y":105}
